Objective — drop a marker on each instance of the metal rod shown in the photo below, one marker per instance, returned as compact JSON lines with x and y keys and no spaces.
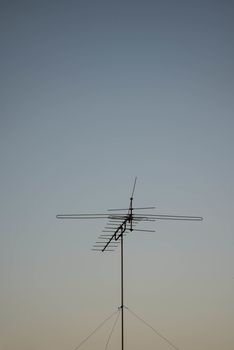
{"x":132,"y":208}
{"x":122,"y":297}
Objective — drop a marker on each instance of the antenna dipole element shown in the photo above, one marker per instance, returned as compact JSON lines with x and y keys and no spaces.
{"x":133,"y":190}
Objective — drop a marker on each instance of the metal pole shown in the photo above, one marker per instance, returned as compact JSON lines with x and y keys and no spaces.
{"x":122,"y":297}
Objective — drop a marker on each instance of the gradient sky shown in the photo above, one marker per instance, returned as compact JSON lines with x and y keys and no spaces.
{"x":94,"y":93}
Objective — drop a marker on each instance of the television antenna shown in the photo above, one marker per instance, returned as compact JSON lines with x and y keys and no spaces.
{"x":121,"y":222}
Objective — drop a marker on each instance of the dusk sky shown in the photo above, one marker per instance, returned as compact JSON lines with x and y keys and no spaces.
{"x":94,"y":93}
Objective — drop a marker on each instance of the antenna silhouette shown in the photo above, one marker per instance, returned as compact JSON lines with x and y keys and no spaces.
{"x":121,"y":222}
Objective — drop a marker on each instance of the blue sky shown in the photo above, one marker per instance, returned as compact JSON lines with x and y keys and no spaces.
{"x":94,"y":93}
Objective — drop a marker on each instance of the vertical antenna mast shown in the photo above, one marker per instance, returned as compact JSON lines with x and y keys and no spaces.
{"x":122,"y":296}
{"x":122,"y":265}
